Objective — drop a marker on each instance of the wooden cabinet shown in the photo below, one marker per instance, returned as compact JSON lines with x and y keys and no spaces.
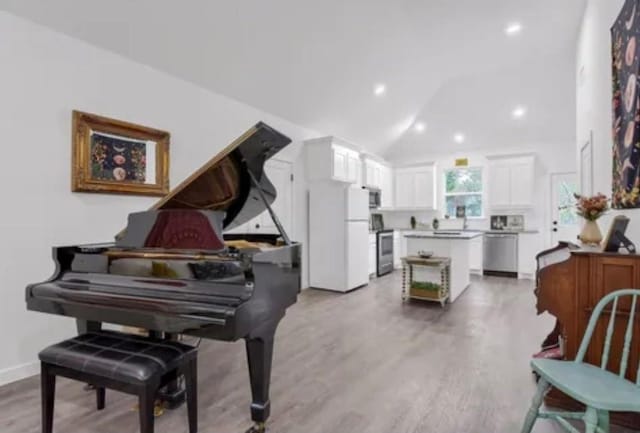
{"x":415,"y":188}
{"x":570,"y":284}
{"x":511,"y":182}
{"x":330,"y":158}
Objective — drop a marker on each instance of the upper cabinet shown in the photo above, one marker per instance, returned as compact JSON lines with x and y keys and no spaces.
{"x":379,"y":176}
{"x":372,"y":173}
{"x":415,"y":187}
{"x":511,"y":182}
{"x":332,"y":158}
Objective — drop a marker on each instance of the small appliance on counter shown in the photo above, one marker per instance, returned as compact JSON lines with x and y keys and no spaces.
{"x":511,"y":223}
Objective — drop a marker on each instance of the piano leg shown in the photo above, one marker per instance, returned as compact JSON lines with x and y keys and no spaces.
{"x":260,"y":355}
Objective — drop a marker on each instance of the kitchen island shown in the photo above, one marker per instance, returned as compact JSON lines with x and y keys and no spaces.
{"x":456,"y":245}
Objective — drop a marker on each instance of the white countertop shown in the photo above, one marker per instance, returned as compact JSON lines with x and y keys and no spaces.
{"x":506,"y":232}
{"x":444,"y":234}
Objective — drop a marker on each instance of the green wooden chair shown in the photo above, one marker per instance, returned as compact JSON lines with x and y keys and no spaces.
{"x":601,"y":391}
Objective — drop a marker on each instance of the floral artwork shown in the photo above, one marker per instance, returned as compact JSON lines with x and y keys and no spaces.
{"x":626,"y":107}
{"x":117,"y":158}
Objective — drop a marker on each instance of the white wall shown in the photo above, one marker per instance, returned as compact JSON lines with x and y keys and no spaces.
{"x":45,"y":75}
{"x":593,"y":76}
{"x":557,"y":158}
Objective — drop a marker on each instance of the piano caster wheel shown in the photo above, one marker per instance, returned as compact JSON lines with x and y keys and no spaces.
{"x":258,"y":428}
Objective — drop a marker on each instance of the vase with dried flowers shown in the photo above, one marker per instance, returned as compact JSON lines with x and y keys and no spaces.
{"x":591,"y":209}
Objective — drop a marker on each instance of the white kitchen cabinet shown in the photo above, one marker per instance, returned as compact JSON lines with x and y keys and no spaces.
{"x":386,"y":187}
{"x":372,"y":254}
{"x":511,"y":182}
{"x":372,"y":173}
{"x":415,"y":188}
{"x":476,"y":251}
{"x":329,"y":158}
{"x":529,"y":245}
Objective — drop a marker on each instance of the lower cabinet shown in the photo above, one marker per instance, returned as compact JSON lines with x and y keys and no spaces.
{"x":529,"y":245}
{"x":476,"y":255}
{"x":373,"y":256}
{"x":399,"y":249}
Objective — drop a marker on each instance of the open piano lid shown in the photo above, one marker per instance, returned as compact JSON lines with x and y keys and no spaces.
{"x":225,"y":182}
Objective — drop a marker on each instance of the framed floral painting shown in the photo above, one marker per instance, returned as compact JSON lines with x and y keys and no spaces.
{"x":113,"y":156}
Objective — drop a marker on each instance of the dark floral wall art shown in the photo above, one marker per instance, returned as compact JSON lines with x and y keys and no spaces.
{"x":625,"y":36}
{"x":113,"y":156}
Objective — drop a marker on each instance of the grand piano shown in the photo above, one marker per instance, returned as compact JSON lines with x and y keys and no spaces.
{"x":173,"y":271}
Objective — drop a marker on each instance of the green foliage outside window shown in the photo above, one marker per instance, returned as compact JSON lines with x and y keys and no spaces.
{"x":463,"y":187}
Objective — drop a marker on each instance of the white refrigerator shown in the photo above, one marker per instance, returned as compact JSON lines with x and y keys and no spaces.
{"x":338,"y":236}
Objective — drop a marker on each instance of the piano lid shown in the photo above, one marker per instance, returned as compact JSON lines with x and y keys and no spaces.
{"x":224,"y":183}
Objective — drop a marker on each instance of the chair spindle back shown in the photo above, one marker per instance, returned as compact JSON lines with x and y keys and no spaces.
{"x":628,"y":336}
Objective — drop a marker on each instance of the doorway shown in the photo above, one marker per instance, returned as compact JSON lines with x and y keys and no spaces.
{"x":564,"y":220}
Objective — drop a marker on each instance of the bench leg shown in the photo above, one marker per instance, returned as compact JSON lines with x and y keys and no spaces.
{"x":191,"y":383}
{"x":100,"y":398}
{"x":48,"y":395}
{"x":147,"y":398}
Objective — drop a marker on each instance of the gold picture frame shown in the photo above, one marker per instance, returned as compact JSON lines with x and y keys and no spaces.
{"x":117,"y":157}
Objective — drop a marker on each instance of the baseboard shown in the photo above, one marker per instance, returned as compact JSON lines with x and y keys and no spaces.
{"x":18,"y":372}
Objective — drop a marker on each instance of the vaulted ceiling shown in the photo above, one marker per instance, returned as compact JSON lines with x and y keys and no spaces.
{"x":447,"y":63}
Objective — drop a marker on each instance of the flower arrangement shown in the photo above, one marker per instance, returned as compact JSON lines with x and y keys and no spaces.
{"x":591,"y":208}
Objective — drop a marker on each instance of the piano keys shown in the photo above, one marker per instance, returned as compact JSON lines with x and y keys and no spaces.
{"x":173,"y":269}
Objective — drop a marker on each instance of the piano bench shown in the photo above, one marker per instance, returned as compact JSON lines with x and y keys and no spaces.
{"x":128,"y":363}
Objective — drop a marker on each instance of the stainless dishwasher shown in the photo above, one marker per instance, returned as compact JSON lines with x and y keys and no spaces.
{"x":501,"y":254}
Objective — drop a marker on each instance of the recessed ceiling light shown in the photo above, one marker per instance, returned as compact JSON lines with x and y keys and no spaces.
{"x":459,"y":138}
{"x":519,"y":112}
{"x":419,"y":127}
{"x":379,"y":89}
{"x":513,"y":29}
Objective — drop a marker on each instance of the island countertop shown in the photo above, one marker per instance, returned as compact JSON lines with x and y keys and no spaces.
{"x":463,"y":235}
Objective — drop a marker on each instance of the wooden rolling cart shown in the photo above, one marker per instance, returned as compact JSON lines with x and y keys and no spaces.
{"x":426,"y":290}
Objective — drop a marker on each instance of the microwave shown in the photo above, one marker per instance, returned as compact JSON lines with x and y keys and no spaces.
{"x":374,"y":198}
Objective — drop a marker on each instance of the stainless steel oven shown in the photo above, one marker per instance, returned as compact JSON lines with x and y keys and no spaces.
{"x":385,"y":252}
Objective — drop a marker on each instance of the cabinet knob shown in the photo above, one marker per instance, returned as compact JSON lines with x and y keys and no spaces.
{"x":555,"y":230}
{"x":555,"y":223}
{"x":257,"y":226}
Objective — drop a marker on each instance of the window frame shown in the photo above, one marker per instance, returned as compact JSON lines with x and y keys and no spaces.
{"x":481,"y":193}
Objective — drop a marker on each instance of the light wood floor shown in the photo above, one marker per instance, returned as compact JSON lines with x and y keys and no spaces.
{"x":361,"y":362}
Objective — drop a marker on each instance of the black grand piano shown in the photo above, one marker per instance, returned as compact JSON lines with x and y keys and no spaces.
{"x":172,"y":271}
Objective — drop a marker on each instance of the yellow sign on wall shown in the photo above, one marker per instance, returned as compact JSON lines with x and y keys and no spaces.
{"x":462,"y":162}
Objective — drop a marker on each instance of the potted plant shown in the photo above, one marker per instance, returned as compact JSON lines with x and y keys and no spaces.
{"x":591,"y":209}
{"x":435,"y":223}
